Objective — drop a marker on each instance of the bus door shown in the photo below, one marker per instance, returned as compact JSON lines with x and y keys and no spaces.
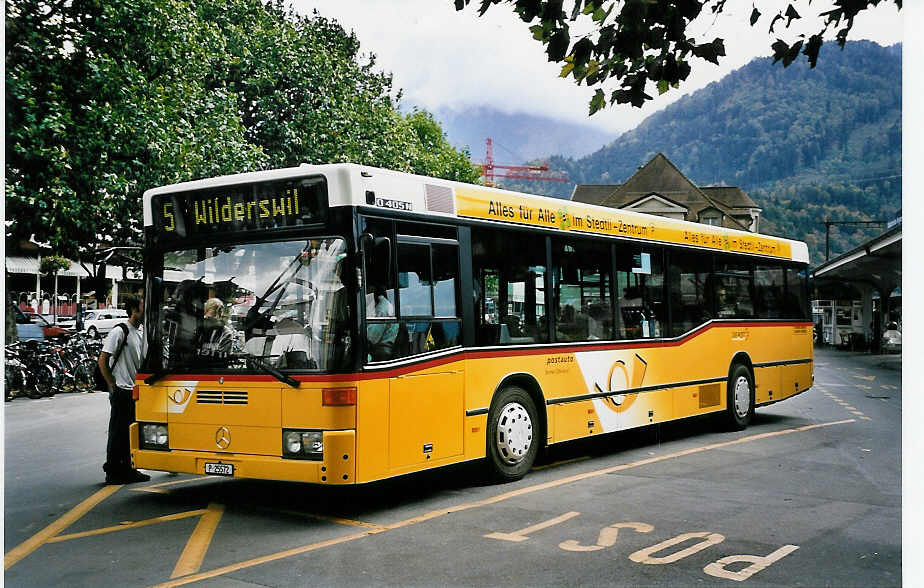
{"x":412,"y":318}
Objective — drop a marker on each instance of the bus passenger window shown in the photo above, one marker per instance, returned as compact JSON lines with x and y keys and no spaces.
{"x":796,"y":301}
{"x":733,"y":288}
{"x":768,"y":291}
{"x":509,"y":270}
{"x":640,"y":286}
{"x":423,"y":316}
{"x":445,"y":270}
{"x":414,"y":281}
{"x":690,"y":307}
{"x":582,"y":290}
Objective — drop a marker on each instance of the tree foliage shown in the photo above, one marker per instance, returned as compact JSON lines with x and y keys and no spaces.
{"x":643,"y":45}
{"x":53,"y":264}
{"x":106,"y":99}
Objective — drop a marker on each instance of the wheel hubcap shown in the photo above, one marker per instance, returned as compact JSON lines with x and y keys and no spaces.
{"x":742,"y":397}
{"x":514,"y":433}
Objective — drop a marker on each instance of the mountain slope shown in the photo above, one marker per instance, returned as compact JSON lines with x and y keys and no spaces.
{"x":806,"y":144}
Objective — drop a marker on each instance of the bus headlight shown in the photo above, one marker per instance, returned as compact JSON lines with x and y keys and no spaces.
{"x":299,"y":444}
{"x":154,"y":436}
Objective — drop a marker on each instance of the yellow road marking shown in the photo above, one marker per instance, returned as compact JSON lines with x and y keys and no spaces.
{"x":129,"y":525}
{"x":522,"y":534}
{"x":867,"y":378}
{"x":488,"y":501}
{"x":339,"y":521}
{"x":560,"y":463}
{"x":191,"y":559}
{"x":66,"y":520}
{"x":607,"y":537}
{"x":159,"y":488}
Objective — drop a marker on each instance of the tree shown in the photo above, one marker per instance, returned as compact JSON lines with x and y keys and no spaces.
{"x":106,"y":99}
{"x":645,"y":43}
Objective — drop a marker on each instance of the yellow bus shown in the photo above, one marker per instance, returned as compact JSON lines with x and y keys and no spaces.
{"x":340,"y":324}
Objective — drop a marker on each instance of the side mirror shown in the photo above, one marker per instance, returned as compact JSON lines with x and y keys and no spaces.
{"x":377,"y":251}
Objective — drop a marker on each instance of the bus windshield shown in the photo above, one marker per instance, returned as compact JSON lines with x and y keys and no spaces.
{"x":244,"y":307}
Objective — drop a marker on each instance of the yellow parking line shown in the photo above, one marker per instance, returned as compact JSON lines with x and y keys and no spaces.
{"x":488,"y":501}
{"x":339,"y":521}
{"x":159,"y":488}
{"x":69,"y":518}
{"x":560,"y":463}
{"x":129,"y":525}
{"x":191,"y":559}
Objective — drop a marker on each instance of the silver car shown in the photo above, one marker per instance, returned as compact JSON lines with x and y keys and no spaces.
{"x":97,"y":323}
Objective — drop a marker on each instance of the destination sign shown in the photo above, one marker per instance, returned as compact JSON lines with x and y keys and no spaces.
{"x":245,"y":207}
{"x":578,"y":217}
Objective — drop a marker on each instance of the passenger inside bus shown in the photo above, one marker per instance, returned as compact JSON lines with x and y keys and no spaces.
{"x":214,"y":338}
{"x":381,"y":336}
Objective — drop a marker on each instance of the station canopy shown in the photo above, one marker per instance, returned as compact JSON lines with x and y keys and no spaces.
{"x":878,"y":262}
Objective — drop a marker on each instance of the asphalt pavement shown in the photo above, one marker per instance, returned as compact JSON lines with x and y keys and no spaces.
{"x":808,"y":495}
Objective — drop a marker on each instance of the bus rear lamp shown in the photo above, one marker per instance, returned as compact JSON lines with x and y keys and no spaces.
{"x":338,"y":397}
{"x":154,"y":436}
{"x":297,"y":444}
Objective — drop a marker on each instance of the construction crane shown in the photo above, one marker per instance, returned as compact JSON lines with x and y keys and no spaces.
{"x":516,"y":172}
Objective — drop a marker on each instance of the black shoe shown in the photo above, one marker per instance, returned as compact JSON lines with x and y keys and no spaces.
{"x":134,"y":476}
{"x":129,"y":477}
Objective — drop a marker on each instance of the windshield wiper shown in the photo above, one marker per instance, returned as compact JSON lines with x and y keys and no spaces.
{"x":268,"y":369}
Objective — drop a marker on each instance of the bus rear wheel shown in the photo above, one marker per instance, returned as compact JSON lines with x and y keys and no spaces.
{"x":740,"y":398}
{"x":513,"y":434}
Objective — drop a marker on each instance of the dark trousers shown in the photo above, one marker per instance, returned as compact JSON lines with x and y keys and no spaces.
{"x":121,"y":415}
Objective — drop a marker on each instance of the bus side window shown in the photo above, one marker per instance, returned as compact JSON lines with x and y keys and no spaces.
{"x":581,"y":281}
{"x":768,"y":287}
{"x":379,"y":292}
{"x":509,"y":267}
{"x":690,"y":306}
{"x":640,"y":288}
{"x":417,"y":311}
{"x":734,"y":293}
{"x":796,"y":298}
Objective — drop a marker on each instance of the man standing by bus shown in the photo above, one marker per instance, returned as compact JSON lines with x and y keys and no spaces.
{"x":130,"y":347}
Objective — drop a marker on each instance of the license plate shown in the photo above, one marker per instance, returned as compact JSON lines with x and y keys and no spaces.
{"x":219,"y":469}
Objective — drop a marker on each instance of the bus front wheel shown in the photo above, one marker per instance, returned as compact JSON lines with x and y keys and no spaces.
{"x":740,"y":405}
{"x":513,"y":434}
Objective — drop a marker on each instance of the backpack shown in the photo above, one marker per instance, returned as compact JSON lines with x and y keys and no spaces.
{"x":99,"y":382}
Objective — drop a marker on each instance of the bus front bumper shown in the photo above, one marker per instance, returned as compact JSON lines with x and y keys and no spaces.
{"x":337,"y":467}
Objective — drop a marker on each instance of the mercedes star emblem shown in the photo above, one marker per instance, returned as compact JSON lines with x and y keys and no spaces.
{"x":223,"y":438}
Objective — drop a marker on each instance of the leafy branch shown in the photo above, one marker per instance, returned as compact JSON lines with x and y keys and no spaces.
{"x":637,"y":45}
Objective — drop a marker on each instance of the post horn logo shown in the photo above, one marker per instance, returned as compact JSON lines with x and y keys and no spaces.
{"x":223,"y":438}
{"x":180,"y":395}
{"x":619,"y":379}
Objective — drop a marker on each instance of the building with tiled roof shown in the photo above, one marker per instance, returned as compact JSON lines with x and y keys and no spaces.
{"x":658,"y":187}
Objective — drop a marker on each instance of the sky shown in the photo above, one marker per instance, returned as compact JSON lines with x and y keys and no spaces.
{"x":448,"y":59}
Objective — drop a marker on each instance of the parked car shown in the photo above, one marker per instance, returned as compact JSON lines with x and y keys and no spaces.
{"x":892,"y":338}
{"x":30,"y":325}
{"x":97,"y":323}
{"x":26,"y":330}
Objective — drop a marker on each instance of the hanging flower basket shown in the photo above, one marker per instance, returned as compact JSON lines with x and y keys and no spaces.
{"x":54,"y":264}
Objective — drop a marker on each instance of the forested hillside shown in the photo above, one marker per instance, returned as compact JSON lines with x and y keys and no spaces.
{"x":806,"y":144}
